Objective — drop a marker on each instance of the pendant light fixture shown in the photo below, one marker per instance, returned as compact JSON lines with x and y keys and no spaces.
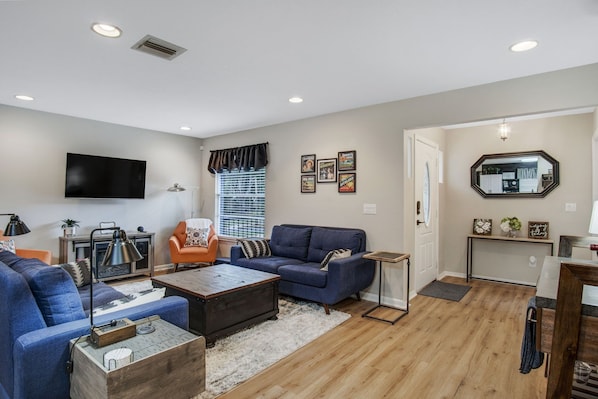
{"x":504,"y":129}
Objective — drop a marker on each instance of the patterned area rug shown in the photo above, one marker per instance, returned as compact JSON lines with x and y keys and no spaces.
{"x":238,"y":357}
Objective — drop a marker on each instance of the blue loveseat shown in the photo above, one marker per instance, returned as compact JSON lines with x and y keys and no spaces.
{"x":296,"y":254}
{"x":41,"y":310}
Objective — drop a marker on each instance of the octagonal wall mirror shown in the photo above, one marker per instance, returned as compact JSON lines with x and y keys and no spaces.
{"x":527,"y":174}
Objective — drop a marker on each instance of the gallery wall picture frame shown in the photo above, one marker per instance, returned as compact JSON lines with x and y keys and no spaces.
{"x":347,"y":160}
{"x":347,"y":182}
{"x":308,"y":183}
{"x":308,"y":163}
{"x":326,"y":170}
{"x":538,"y":230}
{"x":482,"y":227}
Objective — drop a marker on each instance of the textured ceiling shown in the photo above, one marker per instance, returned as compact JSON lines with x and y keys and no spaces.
{"x":244,"y":59}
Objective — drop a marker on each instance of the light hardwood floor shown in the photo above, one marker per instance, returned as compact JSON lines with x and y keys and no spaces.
{"x":442,"y":349}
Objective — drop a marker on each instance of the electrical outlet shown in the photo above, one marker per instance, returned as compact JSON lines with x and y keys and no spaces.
{"x":570,"y":207}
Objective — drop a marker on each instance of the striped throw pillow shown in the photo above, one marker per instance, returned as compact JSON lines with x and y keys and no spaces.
{"x":80,"y":271}
{"x":254,"y":248}
{"x":332,"y":255}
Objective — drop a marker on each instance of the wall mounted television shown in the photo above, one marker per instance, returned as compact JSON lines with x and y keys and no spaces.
{"x":91,"y":176}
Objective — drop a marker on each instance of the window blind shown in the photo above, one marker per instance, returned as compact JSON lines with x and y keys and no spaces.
{"x":241,"y":203}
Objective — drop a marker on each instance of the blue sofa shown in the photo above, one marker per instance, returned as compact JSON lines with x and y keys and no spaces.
{"x":296,"y":255}
{"x":41,"y":310}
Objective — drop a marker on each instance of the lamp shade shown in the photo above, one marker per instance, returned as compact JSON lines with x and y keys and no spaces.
{"x":16,"y":227}
{"x":121,"y":250}
{"x":594,"y":219}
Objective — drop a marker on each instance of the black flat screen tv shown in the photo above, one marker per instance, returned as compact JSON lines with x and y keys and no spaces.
{"x":91,"y":176}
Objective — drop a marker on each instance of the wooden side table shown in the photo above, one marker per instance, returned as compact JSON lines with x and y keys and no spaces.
{"x":170,"y":362}
{"x":389,"y":257}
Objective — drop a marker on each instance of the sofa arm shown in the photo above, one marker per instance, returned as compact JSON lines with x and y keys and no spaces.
{"x":41,"y":254}
{"x":236,"y":252}
{"x":347,"y":276}
{"x":41,"y":355}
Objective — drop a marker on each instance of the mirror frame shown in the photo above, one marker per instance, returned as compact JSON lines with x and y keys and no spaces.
{"x":540,"y":153}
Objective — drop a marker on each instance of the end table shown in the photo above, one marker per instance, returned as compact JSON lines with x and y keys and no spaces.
{"x":388,"y":257}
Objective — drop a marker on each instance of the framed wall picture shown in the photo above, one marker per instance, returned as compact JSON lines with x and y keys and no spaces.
{"x":308,"y":183}
{"x":537,"y":230}
{"x":482,"y":227}
{"x":308,"y":163}
{"x":347,"y":182}
{"x":347,"y":160}
{"x":326,"y":170}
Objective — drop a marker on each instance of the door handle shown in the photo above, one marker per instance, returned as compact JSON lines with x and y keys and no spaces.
{"x":420,"y":222}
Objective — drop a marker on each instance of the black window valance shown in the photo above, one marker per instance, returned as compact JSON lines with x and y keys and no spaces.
{"x":241,"y":158}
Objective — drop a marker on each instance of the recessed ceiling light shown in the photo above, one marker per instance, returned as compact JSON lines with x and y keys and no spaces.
{"x":295,"y":100}
{"x":24,"y":97}
{"x":186,"y":128}
{"x":523,"y":46}
{"x":106,"y":30}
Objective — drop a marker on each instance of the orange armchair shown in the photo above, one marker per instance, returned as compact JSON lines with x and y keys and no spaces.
{"x":41,"y":254}
{"x":179,"y":253}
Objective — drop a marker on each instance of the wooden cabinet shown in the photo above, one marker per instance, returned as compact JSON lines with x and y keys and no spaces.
{"x":78,"y":247}
{"x":169,"y":362}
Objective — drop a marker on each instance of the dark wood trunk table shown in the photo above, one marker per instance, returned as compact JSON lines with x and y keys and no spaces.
{"x":223,"y":298}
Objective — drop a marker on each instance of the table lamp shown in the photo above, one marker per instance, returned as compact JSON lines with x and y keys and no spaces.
{"x":594,"y":225}
{"x":120,"y":250}
{"x":15,"y":226}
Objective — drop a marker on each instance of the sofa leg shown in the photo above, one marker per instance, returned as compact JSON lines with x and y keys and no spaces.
{"x":358,"y":295}
{"x":326,"y":308}
{"x":176,"y":266}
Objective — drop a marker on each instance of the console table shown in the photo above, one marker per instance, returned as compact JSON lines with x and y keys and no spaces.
{"x":76,"y":247}
{"x":169,"y":362}
{"x":504,"y":239}
{"x":389,"y":257}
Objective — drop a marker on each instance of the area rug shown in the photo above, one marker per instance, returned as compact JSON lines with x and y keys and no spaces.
{"x":238,"y":357}
{"x":442,"y":290}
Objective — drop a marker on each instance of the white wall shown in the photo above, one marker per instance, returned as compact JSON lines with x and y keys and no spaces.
{"x":38,"y":143}
{"x":567,"y":139}
{"x":33,"y":160}
{"x":376,"y":133}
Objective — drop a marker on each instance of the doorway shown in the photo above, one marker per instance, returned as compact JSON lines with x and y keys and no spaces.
{"x":425,"y":172}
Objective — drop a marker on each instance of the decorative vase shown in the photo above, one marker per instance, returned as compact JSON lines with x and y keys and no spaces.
{"x":70,"y":231}
{"x":512,"y":233}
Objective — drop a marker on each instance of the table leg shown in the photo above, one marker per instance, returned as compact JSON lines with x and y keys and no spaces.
{"x":380,"y":305}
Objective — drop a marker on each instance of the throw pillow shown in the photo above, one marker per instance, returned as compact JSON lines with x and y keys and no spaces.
{"x":254,"y":248}
{"x":8,"y":245}
{"x":332,"y":255}
{"x":197,"y":237}
{"x":80,"y":271}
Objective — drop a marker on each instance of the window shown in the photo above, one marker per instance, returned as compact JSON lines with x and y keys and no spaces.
{"x":241,"y":203}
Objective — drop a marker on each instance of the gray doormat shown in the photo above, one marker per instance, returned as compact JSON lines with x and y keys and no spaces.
{"x":449,"y":291}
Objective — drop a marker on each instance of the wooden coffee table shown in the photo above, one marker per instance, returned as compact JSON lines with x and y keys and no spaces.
{"x":223,"y":298}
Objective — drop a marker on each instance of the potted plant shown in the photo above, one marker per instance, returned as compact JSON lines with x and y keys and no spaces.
{"x":510,"y":225}
{"x":69,"y":226}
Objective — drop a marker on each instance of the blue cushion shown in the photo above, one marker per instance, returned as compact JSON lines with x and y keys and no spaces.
{"x":306,"y":274}
{"x":269,"y":264}
{"x":53,"y":289}
{"x":326,"y":239}
{"x":290,"y":242}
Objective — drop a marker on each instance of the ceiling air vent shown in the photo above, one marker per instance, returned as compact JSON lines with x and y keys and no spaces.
{"x":158,"y":47}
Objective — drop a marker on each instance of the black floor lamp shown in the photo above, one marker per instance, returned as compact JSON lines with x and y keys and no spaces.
{"x":120,"y":250}
{"x":15,"y":226}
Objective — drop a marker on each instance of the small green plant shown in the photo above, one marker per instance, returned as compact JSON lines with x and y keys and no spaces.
{"x":69,"y":223}
{"x":510,"y":223}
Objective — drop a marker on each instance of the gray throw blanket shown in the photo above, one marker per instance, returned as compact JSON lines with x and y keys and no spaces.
{"x":530,"y":357}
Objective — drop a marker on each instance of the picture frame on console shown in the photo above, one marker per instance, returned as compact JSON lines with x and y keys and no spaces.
{"x":327,"y":170}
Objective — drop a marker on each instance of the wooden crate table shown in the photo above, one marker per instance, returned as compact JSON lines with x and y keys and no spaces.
{"x":170,"y":362}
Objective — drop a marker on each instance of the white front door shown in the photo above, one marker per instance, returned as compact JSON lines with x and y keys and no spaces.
{"x":426,"y":209}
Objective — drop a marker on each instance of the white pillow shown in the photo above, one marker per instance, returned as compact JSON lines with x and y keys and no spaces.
{"x":332,"y":255}
{"x":8,"y":245}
